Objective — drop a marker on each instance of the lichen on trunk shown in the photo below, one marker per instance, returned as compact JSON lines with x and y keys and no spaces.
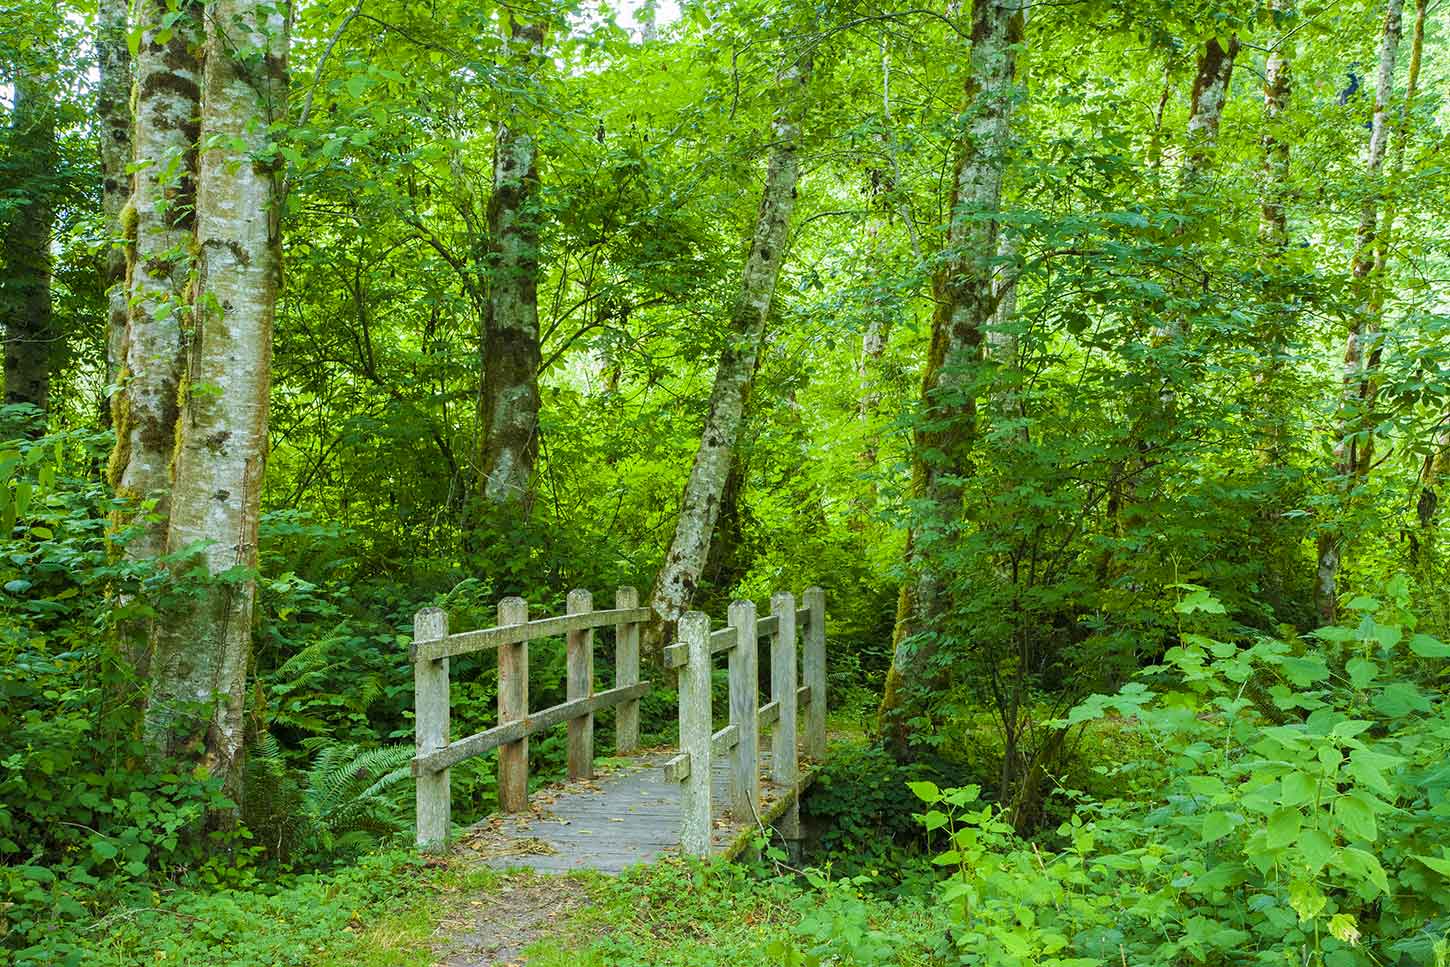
{"x":689,"y":548}
{"x":202,"y":649}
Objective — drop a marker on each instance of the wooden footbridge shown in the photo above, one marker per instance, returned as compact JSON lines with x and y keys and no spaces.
{"x":709,"y":796}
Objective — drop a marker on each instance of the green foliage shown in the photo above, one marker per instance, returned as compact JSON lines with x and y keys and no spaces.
{"x":1308,"y":827}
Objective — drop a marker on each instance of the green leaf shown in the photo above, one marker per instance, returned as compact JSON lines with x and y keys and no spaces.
{"x":1400,"y":699}
{"x":1306,"y":899}
{"x":1428,"y":647}
{"x":1298,"y":788}
{"x":1305,"y":671}
{"x":1317,"y":849}
{"x":1284,"y":825}
{"x":1362,"y":671}
{"x":1199,"y":601}
{"x":1217,"y":825}
{"x":1356,"y":816}
{"x":927,"y":792}
{"x":1438,"y":864}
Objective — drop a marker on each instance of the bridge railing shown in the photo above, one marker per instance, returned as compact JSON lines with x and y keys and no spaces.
{"x":692,"y":655}
{"x":433,"y":646}
{"x":739,"y":739}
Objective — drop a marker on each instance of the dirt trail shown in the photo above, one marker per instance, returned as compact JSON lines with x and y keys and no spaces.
{"x":492,"y":928}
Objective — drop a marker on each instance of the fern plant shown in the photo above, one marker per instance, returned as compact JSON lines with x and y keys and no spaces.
{"x":346,"y":800}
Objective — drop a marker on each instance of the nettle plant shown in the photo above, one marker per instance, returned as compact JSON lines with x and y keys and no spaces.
{"x":1292,"y":810}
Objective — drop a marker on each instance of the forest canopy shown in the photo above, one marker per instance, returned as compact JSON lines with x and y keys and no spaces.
{"x":1093,"y":356}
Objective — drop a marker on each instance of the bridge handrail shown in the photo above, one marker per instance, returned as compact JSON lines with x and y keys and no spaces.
{"x":433,"y":645}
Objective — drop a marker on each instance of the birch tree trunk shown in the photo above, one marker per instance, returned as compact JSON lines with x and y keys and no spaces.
{"x":674,"y":585}
{"x":1274,"y":222}
{"x":509,"y":398}
{"x":202,"y":649}
{"x":1353,"y":443}
{"x":158,"y":222}
{"x":25,"y":308}
{"x":113,"y":107}
{"x":965,"y":304}
{"x":1210,"y":92}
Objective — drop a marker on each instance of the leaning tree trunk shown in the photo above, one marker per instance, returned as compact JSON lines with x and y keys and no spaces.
{"x":113,"y":107}
{"x":202,"y":648}
{"x":1274,"y":226}
{"x":1353,"y":444}
{"x":674,"y":585}
{"x":965,"y":304}
{"x":509,"y":397}
{"x":158,"y":222}
{"x":25,"y":309}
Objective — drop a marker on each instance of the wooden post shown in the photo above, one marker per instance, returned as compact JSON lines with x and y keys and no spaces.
{"x":783,"y":691}
{"x":626,"y":672}
{"x":744,"y":713}
{"x":815,"y":673}
{"x":430,"y":731}
{"x":513,"y":704}
{"x":695,"y":730}
{"x":580,"y":652}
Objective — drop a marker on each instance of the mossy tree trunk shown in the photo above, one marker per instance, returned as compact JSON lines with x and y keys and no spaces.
{"x":509,"y":398}
{"x":25,"y":309}
{"x":113,"y":107}
{"x":202,"y":648}
{"x":965,"y":304}
{"x":158,"y":223}
{"x":689,"y":548}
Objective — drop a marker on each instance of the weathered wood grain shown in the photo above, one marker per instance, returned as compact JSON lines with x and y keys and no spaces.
{"x":513,"y":706}
{"x":430,"y":732}
{"x":813,"y":655}
{"x":501,"y":735}
{"x":744,"y":714}
{"x":580,"y":684}
{"x":626,"y":672}
{"x":695,"y":733}
{"x":783,"y":690}
{"x":517,"y":631}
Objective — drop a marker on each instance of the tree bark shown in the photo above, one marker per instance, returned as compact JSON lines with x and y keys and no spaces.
{"x":202,"y":649}
{"x":1210,"y":92}
{"x":25,"y":308}
{"x":509,"y":398}
{"x":1274,"y":224}
{"x":1353,"y":443}
{"x":965,"y":304}
{"x":157,"y":222}
{"x":674,"y":585}
{"x":113,"y":107}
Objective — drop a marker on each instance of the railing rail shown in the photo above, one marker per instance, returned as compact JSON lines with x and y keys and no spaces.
{"x":435,"y":753}
{"x":692,"y":655}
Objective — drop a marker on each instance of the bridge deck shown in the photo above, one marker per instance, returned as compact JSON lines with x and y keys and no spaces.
{"x":628,"y":814}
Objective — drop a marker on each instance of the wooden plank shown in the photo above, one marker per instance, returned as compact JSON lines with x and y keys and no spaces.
{"x":580,"y":684}
{"x":802,"y":695}
{"x":783,"y":683}
{"x":724,"y":740}
{"x":513,"y":705}
{"x":769,"y":714}
{"x":433,"y":797}
{"x":803,"y":615}
{"x":677,"y":768}
{"x":744,"y":711}
{"x":723,"y":640}
{"x":513,"y":632}
{"x":502,"y":735}
{"x":768,"y":626}
{"x":626,"y":672}
{"x":676,"y":655}
{"x":813,"y":654}
{"x":694,"y":691}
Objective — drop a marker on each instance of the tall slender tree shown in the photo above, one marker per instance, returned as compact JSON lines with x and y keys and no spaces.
{"x":509,"y":397}
{"x":202,"y":649}
{"x":25,"y":306}
{"x":113,"y":107}
{"x":966,"y":301}
{"x":674,"y":585}
{"x":1354,"y":440}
